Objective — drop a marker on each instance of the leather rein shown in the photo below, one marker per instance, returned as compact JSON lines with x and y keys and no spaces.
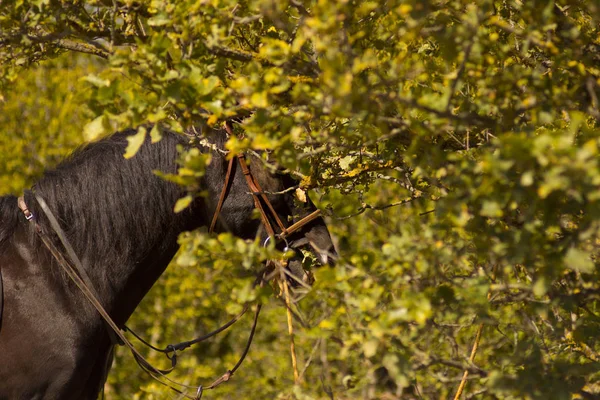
{"x":79,"y":276}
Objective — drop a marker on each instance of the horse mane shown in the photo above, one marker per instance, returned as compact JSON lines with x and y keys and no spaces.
{"x":8,"y":217}
{"x":113,"y":209}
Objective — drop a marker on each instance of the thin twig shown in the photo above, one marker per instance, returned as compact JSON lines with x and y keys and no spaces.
{"x":463,"y":382}
{"x":459,"y":73}
{"x":310,"y":358}
{"x":366,"y":207}
{"x":288,"y":303}
{"x":290,"y":189}
{"x":230,"y":53}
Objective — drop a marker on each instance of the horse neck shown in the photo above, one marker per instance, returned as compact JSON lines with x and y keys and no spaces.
{"x":131,"y":282}
{"x":123,"y":275}
{"x":118,"y":216}
{"x":126,"y":284}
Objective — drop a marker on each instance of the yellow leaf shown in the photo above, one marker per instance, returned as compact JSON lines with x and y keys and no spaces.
{"x":354,"y":172}
{"x":95,"y":129}
{"x":405,"y":9}
{"x":301,"y":195}
{"x":135,"y":142}
{"x":212,"y":120}
{"x":259,"y":99}
{"x":182,"y":203}
{"x":370,"y":348}
{"x":156,"y":134}
{"x":326,"y":324}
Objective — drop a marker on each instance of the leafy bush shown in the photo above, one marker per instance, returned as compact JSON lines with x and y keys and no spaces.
{"x":453,"y":146}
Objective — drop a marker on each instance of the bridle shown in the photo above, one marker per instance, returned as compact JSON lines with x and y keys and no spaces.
{"x":258,"y":194}
{"x":79,"y":276}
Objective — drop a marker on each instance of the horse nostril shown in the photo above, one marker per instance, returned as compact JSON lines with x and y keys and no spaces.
{"x":324,"y":258}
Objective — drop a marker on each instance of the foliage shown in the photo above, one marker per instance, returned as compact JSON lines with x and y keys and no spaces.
{"x":40,"y":118}
{"x":453,"y":144}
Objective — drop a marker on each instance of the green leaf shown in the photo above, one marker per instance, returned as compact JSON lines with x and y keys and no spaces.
{"x":540,"y":286}
{"x":491,"y":209}
{"x":527,"y":178}
{"x":97,"y":81}
{"x":579,"y":260}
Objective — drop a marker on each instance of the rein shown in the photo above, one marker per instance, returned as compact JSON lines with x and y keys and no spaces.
{"x":78,"y":275}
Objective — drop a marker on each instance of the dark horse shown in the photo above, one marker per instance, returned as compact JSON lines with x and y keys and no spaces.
{"x":118,"y":216}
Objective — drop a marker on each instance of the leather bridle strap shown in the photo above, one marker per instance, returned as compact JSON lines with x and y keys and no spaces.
{"x":254,"y":188}
{"x":21,"y":203}
{"x":228,"y":179}
{"x":257,"y":195}
{"x":257,"y":191}
{"x":80,"y":270}
{"x":222,"y":196}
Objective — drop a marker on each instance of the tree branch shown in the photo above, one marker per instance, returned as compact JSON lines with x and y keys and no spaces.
{"x":366,"y":207}
{"x":80,"y":47}
{"x":229,"y":53}
{"x":59,"y":41}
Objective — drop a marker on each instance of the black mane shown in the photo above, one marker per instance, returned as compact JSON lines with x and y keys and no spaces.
{"x":105,"y":202}
{"x":8,"y":217}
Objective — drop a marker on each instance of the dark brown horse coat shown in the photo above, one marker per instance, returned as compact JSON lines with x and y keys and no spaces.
{"x":118,"y":215}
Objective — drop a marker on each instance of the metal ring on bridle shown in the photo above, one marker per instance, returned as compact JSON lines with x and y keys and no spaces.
{"x":266,"y":242}
{"x":287,"y":245}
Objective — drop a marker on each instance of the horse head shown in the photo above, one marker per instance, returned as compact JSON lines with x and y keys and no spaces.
{"x":286,"y":213}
